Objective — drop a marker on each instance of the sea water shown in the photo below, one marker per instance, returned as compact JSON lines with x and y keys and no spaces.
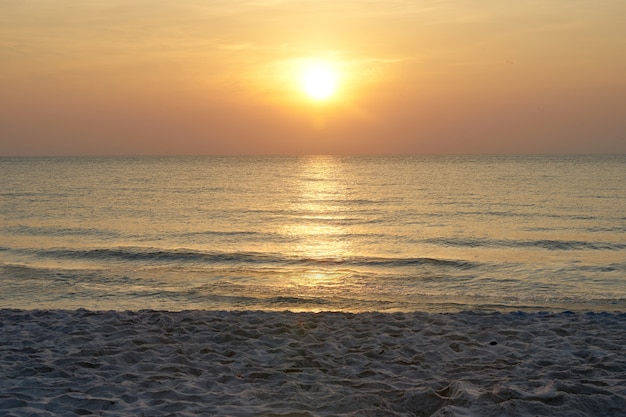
{"x":314,"y":233}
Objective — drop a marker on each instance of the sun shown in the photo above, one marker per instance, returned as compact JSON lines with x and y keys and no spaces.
{"x":319,"y":81}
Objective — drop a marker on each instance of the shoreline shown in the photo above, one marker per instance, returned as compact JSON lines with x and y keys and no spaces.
{"x":243,"y":363}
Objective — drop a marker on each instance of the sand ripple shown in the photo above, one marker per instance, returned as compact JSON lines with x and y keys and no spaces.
{"x":327,"y":364}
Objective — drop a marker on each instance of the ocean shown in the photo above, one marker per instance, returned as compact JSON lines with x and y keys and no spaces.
{"x":314,"y":233}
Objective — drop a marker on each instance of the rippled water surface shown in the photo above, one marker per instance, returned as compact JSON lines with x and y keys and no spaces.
{"x":414,"y":233}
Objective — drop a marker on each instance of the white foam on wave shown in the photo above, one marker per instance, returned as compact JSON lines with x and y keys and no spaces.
{"x":306,"y":364}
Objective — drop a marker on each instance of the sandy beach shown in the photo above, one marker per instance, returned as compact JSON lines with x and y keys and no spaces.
{"x":193,"y":363}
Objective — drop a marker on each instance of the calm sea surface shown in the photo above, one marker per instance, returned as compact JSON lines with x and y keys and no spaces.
{"x":414,"y":233}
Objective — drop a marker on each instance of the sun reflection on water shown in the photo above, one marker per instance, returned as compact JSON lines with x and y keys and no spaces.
{"x":321,"y":211}
{"x":318,"y":227}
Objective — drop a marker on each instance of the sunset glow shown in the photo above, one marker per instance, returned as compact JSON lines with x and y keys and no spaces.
{"x":197,"y":77}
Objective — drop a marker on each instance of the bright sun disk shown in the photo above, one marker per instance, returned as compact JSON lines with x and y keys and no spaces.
{"x":319,"y":81}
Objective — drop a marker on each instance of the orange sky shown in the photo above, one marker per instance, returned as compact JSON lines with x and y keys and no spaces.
{"x":222,"y":77}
